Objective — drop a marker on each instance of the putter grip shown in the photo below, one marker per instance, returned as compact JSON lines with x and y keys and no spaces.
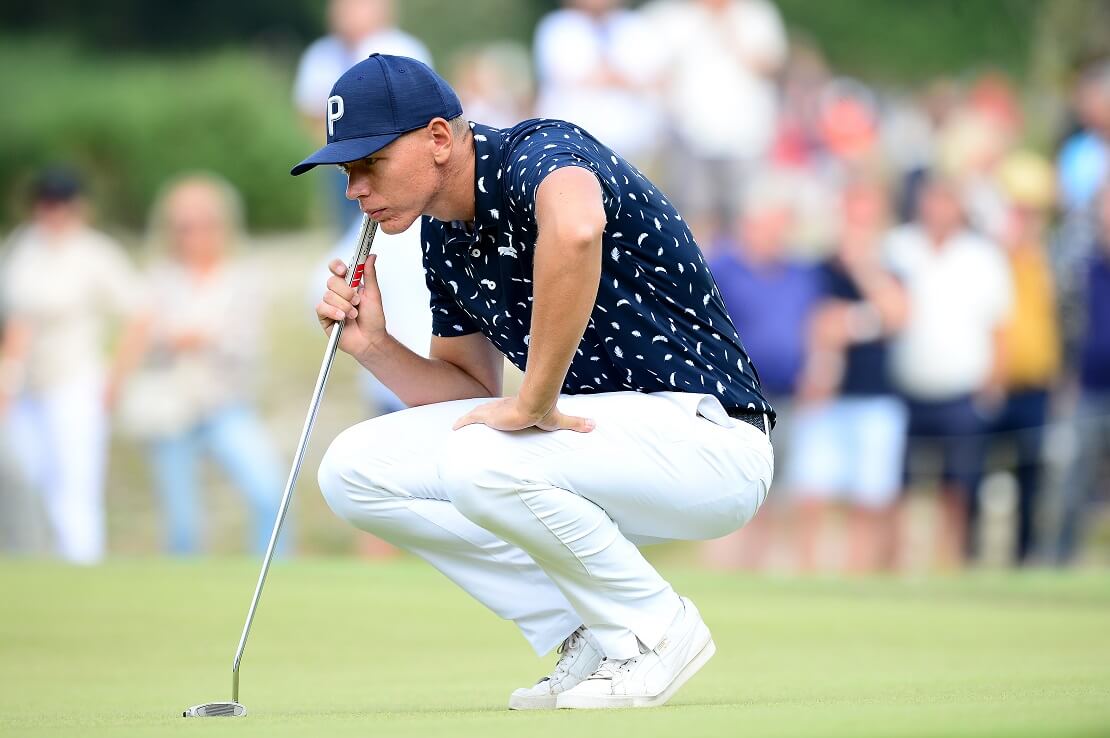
{"x":357,"y":266}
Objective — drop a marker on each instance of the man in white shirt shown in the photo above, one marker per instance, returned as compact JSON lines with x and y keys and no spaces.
{"x":948,"y":359}
{"x":709,"y":46}
{"x":357,"y":29}
{"x":596,"y":63}
{"x":55,"y":383}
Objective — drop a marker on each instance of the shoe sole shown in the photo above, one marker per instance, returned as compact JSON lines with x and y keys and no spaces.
{"x":531,"y":702}
{"x":600,"y":702}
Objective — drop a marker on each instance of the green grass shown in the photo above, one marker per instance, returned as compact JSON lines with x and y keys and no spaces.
{"x":346,"y":648}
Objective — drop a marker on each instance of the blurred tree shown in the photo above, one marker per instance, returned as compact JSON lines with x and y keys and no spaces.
{"x":178,"y":25}
{"x":196,"y":25}
{"x":130,"y":123}
{"x":1069,"y":34}
{"x":910,"y":42}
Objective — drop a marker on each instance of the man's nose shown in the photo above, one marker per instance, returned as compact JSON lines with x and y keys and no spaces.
{"x":357,"y":186}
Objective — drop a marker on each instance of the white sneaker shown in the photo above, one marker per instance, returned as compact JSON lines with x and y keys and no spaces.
{"x":579,"y":656}
{"x":647,"y":680}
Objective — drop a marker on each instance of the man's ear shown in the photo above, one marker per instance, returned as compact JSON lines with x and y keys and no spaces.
{"x":439,"y":133}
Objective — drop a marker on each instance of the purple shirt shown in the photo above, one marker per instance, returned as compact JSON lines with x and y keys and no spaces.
{"x":770,"y":306}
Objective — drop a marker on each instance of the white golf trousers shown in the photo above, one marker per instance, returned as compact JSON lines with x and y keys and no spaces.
{"x":542,"y":527}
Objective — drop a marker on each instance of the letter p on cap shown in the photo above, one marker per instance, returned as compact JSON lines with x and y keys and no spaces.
{"x":335,"y":112}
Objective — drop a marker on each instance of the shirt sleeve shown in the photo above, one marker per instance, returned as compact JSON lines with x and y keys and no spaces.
{"x":448,"y":318}
{"x":543,"y":151}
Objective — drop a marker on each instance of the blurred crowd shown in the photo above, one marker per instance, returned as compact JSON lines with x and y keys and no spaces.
{"x":926,"y":294}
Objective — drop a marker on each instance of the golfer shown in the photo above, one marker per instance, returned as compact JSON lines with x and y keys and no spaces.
{"x":640,"y":417}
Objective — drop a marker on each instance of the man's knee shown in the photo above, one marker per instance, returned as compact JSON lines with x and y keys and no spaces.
{"x":334,"y":474}
{"x":352,"y":474}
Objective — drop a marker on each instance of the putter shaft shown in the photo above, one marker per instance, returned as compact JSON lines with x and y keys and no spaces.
{"x":354,"y":276}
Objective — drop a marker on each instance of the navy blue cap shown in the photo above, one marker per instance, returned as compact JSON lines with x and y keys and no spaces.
{"x":377,"y":100}
{"x":56,"y":184}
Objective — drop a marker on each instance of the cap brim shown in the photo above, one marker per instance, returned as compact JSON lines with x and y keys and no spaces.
{"x":350,"y":149}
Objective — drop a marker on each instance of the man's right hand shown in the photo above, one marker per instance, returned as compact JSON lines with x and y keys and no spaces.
{"x":361,"y":309}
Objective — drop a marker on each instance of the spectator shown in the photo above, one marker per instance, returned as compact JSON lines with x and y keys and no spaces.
{"x":595,"y":62}
{"x":1084,"y":161}
{"x":845,"y":147}
{"x":494,"y":83}
{"x":356,"y":29}
{"x":798,"y":128}
{"x":1083,"y":168}
{"x":910,"y":131}
{"x":973,"y":143}
{"x":1032,"y":336}
{"x":949,"y":360}
{"x":720,"y":58}
{"x":1092,"y":414}
{"x":850,"y":426}
{"x":199,"y":345}
{"x":768,"y":292}
{"x":56,"y":388}
{"x":770,"y":296}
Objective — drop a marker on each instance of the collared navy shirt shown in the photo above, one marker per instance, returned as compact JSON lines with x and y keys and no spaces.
{"x":658,"y":323}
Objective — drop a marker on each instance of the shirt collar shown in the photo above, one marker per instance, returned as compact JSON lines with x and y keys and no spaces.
{"x":487,"y":182}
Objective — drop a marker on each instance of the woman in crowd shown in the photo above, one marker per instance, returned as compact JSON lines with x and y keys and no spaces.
{"x":201,"y":327}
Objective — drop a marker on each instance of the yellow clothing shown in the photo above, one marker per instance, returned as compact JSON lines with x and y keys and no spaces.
{"x":1032,"y":335}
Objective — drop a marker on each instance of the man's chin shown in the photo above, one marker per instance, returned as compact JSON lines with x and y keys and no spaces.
{"x":392,"y":224}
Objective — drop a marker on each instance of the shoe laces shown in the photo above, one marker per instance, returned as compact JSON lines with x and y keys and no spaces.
{"x":612,"y":668}
{"x":567,"y":650}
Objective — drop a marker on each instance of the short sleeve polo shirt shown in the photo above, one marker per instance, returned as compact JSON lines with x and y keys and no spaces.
{"x":658,"y":323}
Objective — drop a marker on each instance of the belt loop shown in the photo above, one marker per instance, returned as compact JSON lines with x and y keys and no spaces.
{"x":767,"y":426}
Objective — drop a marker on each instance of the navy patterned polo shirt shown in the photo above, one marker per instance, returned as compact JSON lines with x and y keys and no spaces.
{"x":658,"y":324}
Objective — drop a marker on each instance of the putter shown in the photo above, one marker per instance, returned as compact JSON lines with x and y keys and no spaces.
{"x":354,"y":279}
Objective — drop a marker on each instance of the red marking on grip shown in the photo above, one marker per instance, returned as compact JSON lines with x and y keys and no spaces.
{"x":358,"y":275}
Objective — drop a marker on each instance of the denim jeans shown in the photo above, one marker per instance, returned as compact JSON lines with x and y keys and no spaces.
{"x":237,"y":441}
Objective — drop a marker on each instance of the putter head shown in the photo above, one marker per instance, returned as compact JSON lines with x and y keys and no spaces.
{"x":216,"y":709}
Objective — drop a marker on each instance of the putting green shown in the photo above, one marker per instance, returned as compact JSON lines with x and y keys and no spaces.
{"x":346,"y":648}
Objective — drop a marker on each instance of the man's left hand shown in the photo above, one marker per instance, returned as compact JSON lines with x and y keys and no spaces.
{"x":506,"y":414}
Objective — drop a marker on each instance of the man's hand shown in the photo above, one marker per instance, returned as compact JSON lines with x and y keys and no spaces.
{"x":506,"y":414}
{"x":361,"y":309}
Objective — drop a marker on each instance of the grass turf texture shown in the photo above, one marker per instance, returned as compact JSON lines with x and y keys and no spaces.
{"x":346,"y":648}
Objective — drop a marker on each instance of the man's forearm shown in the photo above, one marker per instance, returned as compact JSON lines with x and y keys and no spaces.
{"x":417,"y":380}
{"x":565,"y":282}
